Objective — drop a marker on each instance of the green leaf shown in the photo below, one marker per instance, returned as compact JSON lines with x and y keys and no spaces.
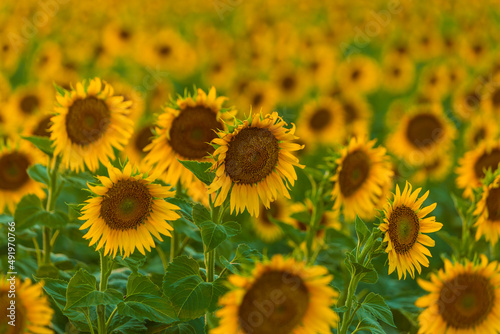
{"x":56,"y":289}
{"x":213,"y":235}
{"x":200,"y":169}
{"x":361,"y":231}
{"x":302,"y":216}
{"x":192,"y":327}
{"x":82,"y":292}
{"x":376,"y":306}
{"x":47,"y":270}
{"x":295,"y":235}
{"x":244,"y":255}
{"x":148,"y":307}
{"x":200,"y":214}
{"x":29,"y":212}
{"x":6,"y":219}
{"x":139,"y":284}
{"x":370,"y":324}
{"x":185,"y":206}
{"x":189,"y":294}
{"x":38,"y":173}
{"x":44,"y":144}
{"x":144,"y":301}
{"x":133,"y":262}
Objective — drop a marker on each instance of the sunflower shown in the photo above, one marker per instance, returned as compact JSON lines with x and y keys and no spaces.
{"x":490,"y":100}
{"x":463,"y":298}
{"x":142,"y":137}
{"x":302,"y":305}
{"x":183,"y":132}
{"x":362,"y":171}
{"x":38,"y":125}
{"x":359,"y":73}
{"x":125,"y":210}
{"x":357,"y":115}
{"x":329,"y":219}
{"x":322,"y":121}
{"x":423,"y":133}
{"x":290,"y":83}
{"x":481,"y":129}
{"x":258,"y":95}
{"x":488,"y":212}
{"x":88,"y":124}
{"x":435,"y":170}
{"x":253,"y":161}
{"x":33,"y":314}
{"x":28,"y":101}
{"x":265,"y":225}
{"x":15,"y":182}
{"x":434,"y":82}
{"x":47,"y":61}
{"x":398,"y":73}
{"x":475,"y":48}
{"x":320,"y":65}
{"x":425,"y":44}
{"x":120,"y":38}
{"x":467,"y":99}
{"x":474,"y":163}
{"x":404,"y":227}
{"x":166,"y":50}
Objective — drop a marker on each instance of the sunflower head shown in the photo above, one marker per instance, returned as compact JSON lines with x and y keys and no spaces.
{"x":15,"y":159}
{"x":423,"y":134}
{"x":254,"y":161}
{"x":32,"y":308}
{"x":361,"y":174}
{"x":126,"y":209}
{"x":487,"y":211}
{"x":463,"y":298}
{"x":280,"y":296}
{"x":183,"y":132}
{"x":404,"y":224}
{"x":472,"y":167}
{"x":89,"y":122}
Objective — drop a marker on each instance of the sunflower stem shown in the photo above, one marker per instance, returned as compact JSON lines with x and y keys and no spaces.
{"x":173,"y":245}
{"x":163,"y":257}
{"x":348,"y":316}
{"x":89,"y":322}
{"x":106,"y":268}
{"x":317,"y":210}
{"x":111,"y":318}
{"x":51,"y":203}
{"x":38,"y":254}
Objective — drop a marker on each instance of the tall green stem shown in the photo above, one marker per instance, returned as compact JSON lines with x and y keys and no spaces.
{"x":106,"y":268}
{"x":351,"y":290}
{"x":51,"y":203}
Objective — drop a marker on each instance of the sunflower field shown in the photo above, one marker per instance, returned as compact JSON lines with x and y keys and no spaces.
{"x":249,"y":167}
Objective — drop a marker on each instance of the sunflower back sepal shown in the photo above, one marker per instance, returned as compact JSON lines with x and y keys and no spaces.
{"x":44,"y":144}
{"x":200,"y":169}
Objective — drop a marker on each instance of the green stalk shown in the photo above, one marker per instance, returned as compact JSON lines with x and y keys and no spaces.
{"x":106,"y":268}
{"x":111,"y":318}
{"x":51,"y":203}
{"x":351,"y":290}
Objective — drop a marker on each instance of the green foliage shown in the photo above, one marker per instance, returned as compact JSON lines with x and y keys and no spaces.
{"x":190,"y":295}
{"x":44,"y":144}
{"x":144,"y":301}
{"x":82,"y":292}
{"x":29,"y":212}
{"x":200,"y":169}
{"x":213,"y":235}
